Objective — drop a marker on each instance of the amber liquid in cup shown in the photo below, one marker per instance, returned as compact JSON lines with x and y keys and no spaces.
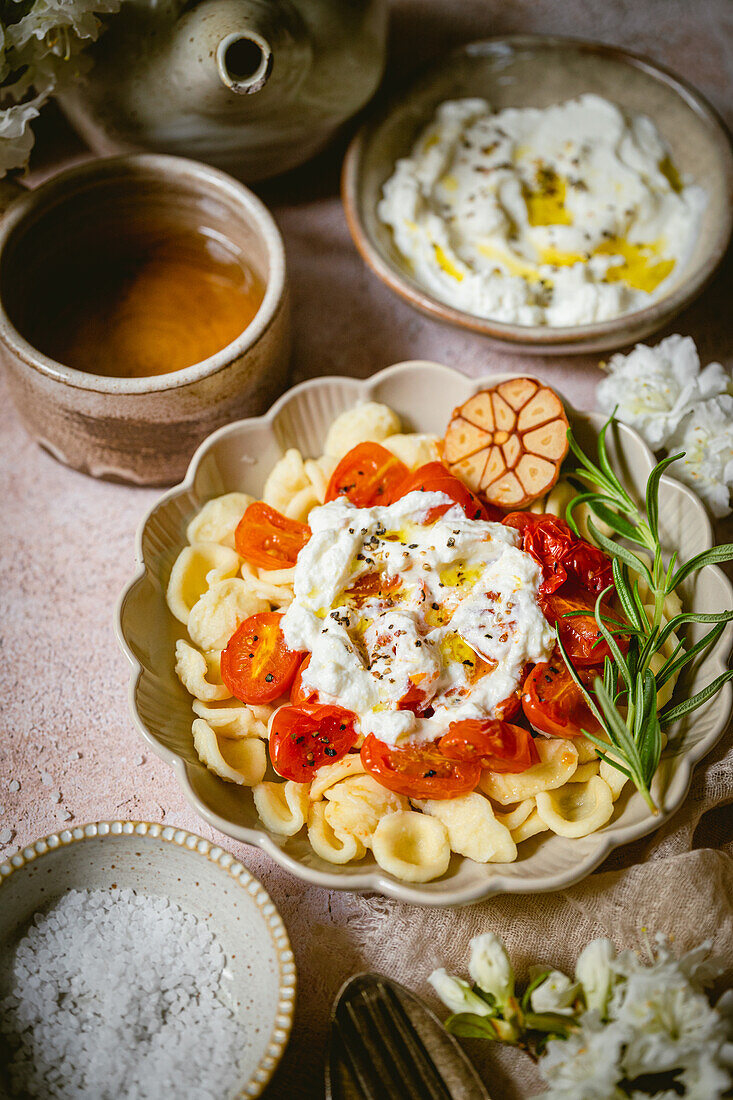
{"x":139,"y":296}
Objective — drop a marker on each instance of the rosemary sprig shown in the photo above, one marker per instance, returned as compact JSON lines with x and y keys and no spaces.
{"x":625,"y":702}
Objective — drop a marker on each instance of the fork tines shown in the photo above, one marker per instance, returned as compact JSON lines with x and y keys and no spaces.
{"x":382,"y":1050}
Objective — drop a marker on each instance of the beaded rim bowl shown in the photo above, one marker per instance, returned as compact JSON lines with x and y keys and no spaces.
{"x":195,"y":874}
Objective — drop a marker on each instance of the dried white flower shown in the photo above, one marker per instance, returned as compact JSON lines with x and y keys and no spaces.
{"x":490,"y":968}
{"x":706,"y":437}
{"x":593,"y":971}
{"x":456,"y":994}
{"x":656,"y":387}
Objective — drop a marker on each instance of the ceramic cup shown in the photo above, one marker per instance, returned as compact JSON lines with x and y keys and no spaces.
{"x":141,"y":430}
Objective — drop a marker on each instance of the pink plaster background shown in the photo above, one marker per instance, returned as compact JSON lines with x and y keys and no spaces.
{"x":67,"y":541}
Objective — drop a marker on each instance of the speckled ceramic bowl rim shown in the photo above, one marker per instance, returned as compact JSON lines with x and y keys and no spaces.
{"x":171,"y":834}
{"x":197,"y":176}
{"x":527,"y":336}
{"x":374,"y":879}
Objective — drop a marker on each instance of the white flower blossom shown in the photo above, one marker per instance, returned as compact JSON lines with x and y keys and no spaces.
{"x":490,"y":968}
{"x":585,"y":1066}
{"x":706,"y":437}
{"x":16,"y":136}
{"x":456,"y":994}
{"x":593,"y":971}
{"x":557,"y":993}
{"x":656,"y":387}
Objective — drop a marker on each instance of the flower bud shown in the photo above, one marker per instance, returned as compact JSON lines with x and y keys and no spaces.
{"x":490,"y":968}
{"x":555,"y":994}
{"x":593,"y":971}
{"x":456,"y":994}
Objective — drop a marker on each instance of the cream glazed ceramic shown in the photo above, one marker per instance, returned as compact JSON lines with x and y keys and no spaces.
{"x":252,"y":86}
{"x":142,"y":430}
{"x":197,"y":875}
{"x":537,"y":71}
{"x":239,"y":457}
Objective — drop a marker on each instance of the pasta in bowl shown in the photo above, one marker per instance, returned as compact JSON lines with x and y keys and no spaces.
{"x":346,"y":822}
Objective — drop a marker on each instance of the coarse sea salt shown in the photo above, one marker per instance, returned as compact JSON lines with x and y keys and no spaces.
{"x":118,"y":996}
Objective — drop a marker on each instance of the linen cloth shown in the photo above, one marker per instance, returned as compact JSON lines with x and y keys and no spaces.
{"x":67,"y":549}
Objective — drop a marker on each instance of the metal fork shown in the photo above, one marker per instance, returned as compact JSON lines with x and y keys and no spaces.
{"x":377,"y":1053}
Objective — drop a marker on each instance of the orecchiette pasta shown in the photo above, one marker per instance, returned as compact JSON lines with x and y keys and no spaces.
{"x":196,"y":674}
{"x":330,"y":844}
{"x":234,"y":719}
{"x":615,"y":779}
{"x":584,"y":772}
{"x":558,"y":761}
{"x":329,"y":774}
{"x":530,"y":827}
{"x":369,"y":421}
{"x":195,"y":569}
{"x":517,"y":815}
{"x":278,"y":593}
{"x":217,"y":614}
{"x":296,"y":486}
{"x":577,"y":809}
{"x":218,"y":520}
{"x":283,"y":807}
{"x":473,"y":829}
{"x":356,"y":806}
{"x":413,"y":847}
{"x":243,"y":761}
{"x":413,"y":449}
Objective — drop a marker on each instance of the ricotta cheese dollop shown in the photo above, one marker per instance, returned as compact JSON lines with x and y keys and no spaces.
{"x":559,"y":216}
{"x":396,"y":609}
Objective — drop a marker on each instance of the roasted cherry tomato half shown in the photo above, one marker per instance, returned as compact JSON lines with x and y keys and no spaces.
{"x":367,"y":475}
{"x":419,"y":771}
{"x":266,"y":538}
{"x":498,"y":746}
{"x":299,"y":694}
{"x":553,"y":702}
{"x":579,"y":633}
{"x":256,"y":665}
{"x":303,"y":738}
{"x":434,"y":477}
{"x":562,"y":555}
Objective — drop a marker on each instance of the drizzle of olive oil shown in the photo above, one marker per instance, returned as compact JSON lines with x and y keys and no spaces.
{"x":546,"y":201}
{"x":447,"y":264}
{"x":642,"y":269}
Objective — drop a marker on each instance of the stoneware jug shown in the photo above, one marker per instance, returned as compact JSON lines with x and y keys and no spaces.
{"x":254,"y":87}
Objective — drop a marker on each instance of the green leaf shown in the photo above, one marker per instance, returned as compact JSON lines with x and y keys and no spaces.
{"x":582,"y":498}
{"x":616,"y":521}
{"x":616,"y":551}
{"x":596,"y":474}
{"x":576,"y":679}
{"x":714,"y":556}
{"x":602,"y":748}
{"x":652,"y":494}
{"x":612,"y":643}
{"x":468,"y":1025}
{"x":686,"y":707}
{"x":676,"y":663}
{"x":551,"y":1023}
{"x":693,"y":617}
{"x":623,"y":590}
{"x":606,"y":466}
{"x":610,"y":676}
{"x":616,"y":727}
{"x":649,"y":739}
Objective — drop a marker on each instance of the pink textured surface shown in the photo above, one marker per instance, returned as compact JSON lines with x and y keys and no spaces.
{"x":68,"y":544}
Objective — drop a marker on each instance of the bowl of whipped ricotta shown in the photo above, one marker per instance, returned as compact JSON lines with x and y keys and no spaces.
{"x":552,"y":194}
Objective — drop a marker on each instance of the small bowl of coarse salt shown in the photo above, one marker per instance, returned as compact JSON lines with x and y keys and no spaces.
{"x":139,"y":961}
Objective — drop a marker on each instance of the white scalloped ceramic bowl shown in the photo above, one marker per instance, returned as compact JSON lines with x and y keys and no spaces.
{"x":239,"y":457}
{"x":195,"y":874}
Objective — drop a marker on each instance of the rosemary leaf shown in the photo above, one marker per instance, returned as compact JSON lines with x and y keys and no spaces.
{"x":714,"y":556}
{"x":695,"y":701}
